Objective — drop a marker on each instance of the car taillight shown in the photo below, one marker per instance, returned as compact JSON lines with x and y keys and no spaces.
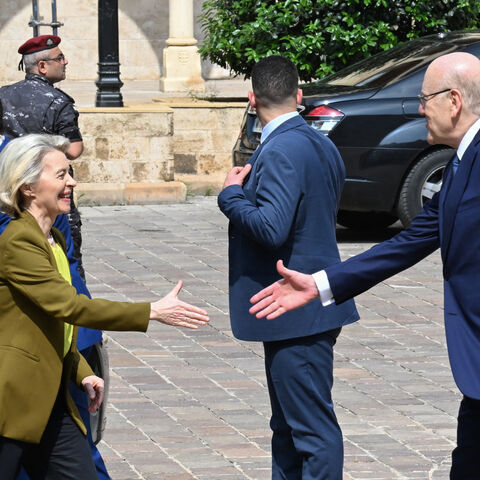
{"x":324,"y":118}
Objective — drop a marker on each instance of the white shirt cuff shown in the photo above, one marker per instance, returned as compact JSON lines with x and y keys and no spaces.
{"x":324,"y":290}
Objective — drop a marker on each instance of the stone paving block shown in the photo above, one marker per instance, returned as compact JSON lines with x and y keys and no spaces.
{"x":194,"y":405}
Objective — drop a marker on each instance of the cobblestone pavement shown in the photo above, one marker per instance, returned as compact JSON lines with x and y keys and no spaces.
{"x":194,"y":405}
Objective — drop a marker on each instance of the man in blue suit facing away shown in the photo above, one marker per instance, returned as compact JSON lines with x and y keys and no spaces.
{"x":450,"y":102}
{"x":279,"y":205}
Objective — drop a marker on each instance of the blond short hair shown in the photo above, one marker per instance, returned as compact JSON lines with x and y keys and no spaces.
{"x":21,"y":163}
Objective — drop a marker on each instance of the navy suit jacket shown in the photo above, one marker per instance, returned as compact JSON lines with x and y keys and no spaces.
{"x":451,"y":221}
{"x":286,"y":210}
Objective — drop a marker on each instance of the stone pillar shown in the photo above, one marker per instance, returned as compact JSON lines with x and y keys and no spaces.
{"x":181,"y":60}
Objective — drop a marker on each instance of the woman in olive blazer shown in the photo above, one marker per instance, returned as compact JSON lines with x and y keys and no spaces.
{"x":35,"y":301}
{"x":36,"y":304}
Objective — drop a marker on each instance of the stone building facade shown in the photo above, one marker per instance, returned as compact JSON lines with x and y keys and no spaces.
{"x":143,"y":27}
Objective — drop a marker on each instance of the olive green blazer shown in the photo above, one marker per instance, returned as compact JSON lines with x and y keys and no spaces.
{"x":35,"y":302}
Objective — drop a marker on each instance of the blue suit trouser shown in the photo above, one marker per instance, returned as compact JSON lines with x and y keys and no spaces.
{"x":466,"y":456}
{"x":307,"y":440}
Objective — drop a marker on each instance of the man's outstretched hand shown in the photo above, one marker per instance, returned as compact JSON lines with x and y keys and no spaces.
{"x":295,"y":290}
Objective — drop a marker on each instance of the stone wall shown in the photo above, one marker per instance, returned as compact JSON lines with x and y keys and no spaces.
{"x":156,"y":152}
{"x":203,"y":138}
{"x":130,"y":144}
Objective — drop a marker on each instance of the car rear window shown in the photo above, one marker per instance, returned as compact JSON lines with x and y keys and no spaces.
{"x":392,"y":65}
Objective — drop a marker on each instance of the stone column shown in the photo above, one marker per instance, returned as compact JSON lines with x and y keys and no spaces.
{"x":181,"y":60}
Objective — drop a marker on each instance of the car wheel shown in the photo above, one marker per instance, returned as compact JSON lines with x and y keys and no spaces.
{"x":365,"y":220}
{"x":423,"y":181}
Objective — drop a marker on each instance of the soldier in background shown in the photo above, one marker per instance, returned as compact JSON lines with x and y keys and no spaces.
{"x":34,"y":105}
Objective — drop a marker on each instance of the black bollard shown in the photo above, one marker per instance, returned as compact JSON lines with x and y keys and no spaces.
{"x":108,"y":83}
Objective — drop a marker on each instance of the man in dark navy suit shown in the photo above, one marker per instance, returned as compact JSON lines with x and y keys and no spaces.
{"x":279,"y":206}
{"x":450,"y":102}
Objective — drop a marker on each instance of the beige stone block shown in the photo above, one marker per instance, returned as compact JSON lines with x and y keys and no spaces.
{"x":81,"y":169}
{"x":84,"y":8}
{"x":9,"y":72}
{"x":192,"y":142}
{"x":77,"y":28}
{"x":142,"y":11}
{"x":137,"y":52}
{"x":129,"y":148}
{"x":214,"y":163}
{"x":146,"y":172}
{"x":124,"y":123}
{"x":160,"y":150}
{"x":82,"y":57}
{"x":202,"y":184}
{"x":195,"y":119}
{"x":224,"y":141}
{"x":100,"y":193}
{"x":107,"y":171}
{"x":11,"y":8}
{"x":150,"y":172}
{"x":161,"y":157}
{"x":139,"y":72}
{"x":185,"y":163}
{"x":231,"y":117}
{"x":102,"y":148}
{"x":88,"y":147}
{"x":139,"y":172}
{"x":155,"y":192}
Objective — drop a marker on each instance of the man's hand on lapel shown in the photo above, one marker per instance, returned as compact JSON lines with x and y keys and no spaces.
{"x":237,"y":175}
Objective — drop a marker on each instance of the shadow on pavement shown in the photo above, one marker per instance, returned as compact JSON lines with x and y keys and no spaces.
{"x":345,"y":235}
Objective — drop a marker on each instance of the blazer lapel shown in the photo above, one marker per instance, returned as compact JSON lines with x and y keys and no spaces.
{"x":456,"y":189}
{"x":252,"y":161}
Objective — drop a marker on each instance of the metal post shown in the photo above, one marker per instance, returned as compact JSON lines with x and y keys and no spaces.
{"x":35,"y":19}
{"x":108,"y":83}
{"x":54,"y":17}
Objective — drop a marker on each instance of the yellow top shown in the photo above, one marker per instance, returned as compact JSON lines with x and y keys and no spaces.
{"x":64,"y":269}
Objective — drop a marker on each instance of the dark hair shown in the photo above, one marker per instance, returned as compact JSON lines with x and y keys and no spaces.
{"x":274,"y":80}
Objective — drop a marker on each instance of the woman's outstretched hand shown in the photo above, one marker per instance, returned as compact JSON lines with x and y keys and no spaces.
{"x":172,"y":311}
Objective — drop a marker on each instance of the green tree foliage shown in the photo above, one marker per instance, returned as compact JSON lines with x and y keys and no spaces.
{"x":321,"y":36}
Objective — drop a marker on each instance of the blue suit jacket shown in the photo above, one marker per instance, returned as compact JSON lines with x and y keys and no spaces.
{"x":86,"y":336}
{"x":451,"y":221}
{"x":286,"y":209}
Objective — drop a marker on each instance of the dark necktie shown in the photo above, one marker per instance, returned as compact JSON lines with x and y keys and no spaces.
{"x":456,"y":163}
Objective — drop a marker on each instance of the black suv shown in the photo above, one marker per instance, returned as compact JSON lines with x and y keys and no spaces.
{"x":370,"y":111}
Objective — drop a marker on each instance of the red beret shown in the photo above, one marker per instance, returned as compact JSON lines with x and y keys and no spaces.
{"x":37,"y":44}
